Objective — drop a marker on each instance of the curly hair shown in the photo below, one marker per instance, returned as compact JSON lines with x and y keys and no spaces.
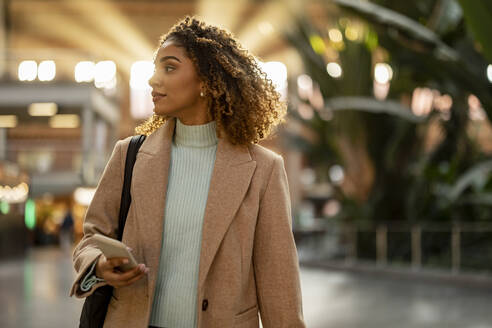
{"x":241,"y":98}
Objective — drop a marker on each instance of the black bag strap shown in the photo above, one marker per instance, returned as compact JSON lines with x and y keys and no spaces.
{"x":126,"y":199}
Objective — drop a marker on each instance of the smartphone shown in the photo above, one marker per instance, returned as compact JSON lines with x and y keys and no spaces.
{"x":115,"y":248}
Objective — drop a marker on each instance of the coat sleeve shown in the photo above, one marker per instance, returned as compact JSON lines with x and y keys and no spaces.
{"x":275,"y":259}
{"x":101,"y":217}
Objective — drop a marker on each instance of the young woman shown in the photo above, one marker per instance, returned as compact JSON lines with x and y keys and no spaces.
{"x":210,"y":217}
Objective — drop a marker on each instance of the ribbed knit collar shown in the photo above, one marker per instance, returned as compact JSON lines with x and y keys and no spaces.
{"x":202,"y":135}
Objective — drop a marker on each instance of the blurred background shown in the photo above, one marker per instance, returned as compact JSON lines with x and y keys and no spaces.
{"x":387,"y":146}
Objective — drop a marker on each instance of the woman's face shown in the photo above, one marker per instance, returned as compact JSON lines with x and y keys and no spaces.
{"x":175,"y":85}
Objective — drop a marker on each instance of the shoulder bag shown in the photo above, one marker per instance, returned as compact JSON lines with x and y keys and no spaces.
{"x":96,"y":304}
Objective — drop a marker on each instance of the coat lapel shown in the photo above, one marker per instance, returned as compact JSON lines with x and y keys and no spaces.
{"x":230,"y":180}
{"x":148,"y":191}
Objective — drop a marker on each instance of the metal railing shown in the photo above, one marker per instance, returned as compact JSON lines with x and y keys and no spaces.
{"x":456,"y":247}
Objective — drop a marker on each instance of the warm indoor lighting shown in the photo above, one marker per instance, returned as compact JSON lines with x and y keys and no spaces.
{"x":334,"y":70}
{"x":277,"y":72}
{"x":46,"y":70}
{"x":84,"y":71}
{"x":8,"y":121}
{"x":352,"y":33}
{"x":305,"y":111}
{"x":383,"y":73}
{"x":141,"y":105}
{"x":422,"y":101}
{"x":304,"y":86}
{"x":42,"y":109}
{"x":84,"y":196}
{"x":336,"y":174}
{"x":16,"y":194}
{"x":475,"y":109}
{"x":380,"y":90}
{"x":140,"y":73}
{"x":335,"y":35}
{"x":265,"y":28}
{"x":316,"y":100}
{"x":331,"y":207}
{"x":105,"y":74}
{"x":64,"y":121}
{"x":28,"y":70}
{"x":443,"y":102}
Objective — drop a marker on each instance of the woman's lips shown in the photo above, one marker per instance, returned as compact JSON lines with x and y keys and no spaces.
{"x":156,"y":98}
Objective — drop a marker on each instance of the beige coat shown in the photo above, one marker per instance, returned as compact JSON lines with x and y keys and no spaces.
{"x":248,"y":259}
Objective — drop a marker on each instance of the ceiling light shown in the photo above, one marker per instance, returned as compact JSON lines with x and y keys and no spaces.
{"x":84,"y":71}
{"x":27,"y":71}
{"x":383,"y":73}
{"x":334,"y":70}
{"x":42,"y":109}
{"x":64,"y":121}
{"x":46,"y":70}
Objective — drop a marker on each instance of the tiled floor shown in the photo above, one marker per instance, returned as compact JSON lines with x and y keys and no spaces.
{"x":34,"y":293}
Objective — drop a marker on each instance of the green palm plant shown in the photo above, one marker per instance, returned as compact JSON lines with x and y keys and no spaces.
{"x":390,"y":173}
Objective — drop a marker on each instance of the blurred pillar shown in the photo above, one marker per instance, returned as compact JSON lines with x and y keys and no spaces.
{"x":351,"y":234}
{"x":87,"y":162}
{"x":3,"y":36}
{"x":416,"y":247}
{"x":99,"y":144}
{"x":293,"y":167}
{"x":3,"y":143}
{"x":382,"y":245}
{"x":456,"y":248}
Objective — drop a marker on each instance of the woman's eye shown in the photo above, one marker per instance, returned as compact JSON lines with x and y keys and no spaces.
{"x":168,"y":68}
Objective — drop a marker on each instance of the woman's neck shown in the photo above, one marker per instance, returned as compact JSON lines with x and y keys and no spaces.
{"x":197,"y":135}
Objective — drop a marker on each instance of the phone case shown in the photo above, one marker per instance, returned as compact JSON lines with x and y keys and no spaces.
{"x":115,"y":248}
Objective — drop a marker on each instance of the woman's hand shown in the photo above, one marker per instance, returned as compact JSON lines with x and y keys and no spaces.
{"x":105,"y":268}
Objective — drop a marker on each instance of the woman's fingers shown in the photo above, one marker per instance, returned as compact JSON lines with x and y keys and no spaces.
{"x":132,"y":280}
{"x":131,"y":273}
{"x":119,"y":279}
{"x":115,"y":261}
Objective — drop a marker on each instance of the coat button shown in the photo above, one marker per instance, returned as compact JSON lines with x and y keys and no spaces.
{"x":204,"y":304}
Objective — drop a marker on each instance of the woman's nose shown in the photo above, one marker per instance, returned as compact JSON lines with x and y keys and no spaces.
{"x":153,"y":81}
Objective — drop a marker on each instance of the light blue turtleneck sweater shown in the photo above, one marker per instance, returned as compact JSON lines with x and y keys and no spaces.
{"x":192,"y":161}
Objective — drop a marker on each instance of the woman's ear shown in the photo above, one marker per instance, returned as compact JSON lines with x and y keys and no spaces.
{"x":202,"y":89}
